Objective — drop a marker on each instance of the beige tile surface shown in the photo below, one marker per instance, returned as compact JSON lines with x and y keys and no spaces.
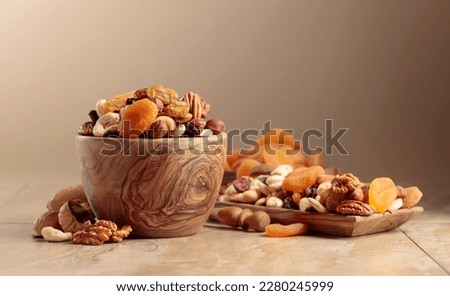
{"x":217,"y":251}
{"x":23,"y":203}
{"x":433,"y":238}
{"x":419,"y":247}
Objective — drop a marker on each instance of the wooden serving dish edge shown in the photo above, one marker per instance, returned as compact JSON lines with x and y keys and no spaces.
{"x":335,"y":224}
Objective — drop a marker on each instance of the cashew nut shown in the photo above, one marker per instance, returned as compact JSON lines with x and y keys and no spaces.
{"x":282,"y":170}
{"x":259,"y":186}
{"x":206,"y":133}
{"x":230,"y":190}
{"x":274,"y":202}
{"x":51,"y":234}
{"x":304,"y":204}
{"x":323,"y":187}
{"x":395,"y":205}
{"x":275,"y":182}
{"x":261,"y":202}
{"x":317,"y":205}
{"x":99,"y":107}
{"x":107,"y":122}
{"x":169,"y":121}
{"x":250,"y":196}
{"x":178,"y":130}
{"x":224,"y":198}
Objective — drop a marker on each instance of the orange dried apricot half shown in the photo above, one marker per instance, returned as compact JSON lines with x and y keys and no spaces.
{"x":245,"y":166}
{"x":279,"y":230}
{"x":413,"y":196}
{"x":301,"y":178}
{"x":277,"y":136}
{"x":276,"y":155}
{"x":137,"y":118}
{"x":382,"y":192}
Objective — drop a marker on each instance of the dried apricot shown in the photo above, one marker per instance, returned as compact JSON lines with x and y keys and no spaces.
{"x":279,"y":230}
{"x":277,"y":136}
{"x":297,"y":157}
{"x":382,"y":192}
{"x":314,"y":159}
{"x":413,"y":196}
{"x":137,"y":118}
{"x":301,"y":178}
{"x":245,"y":166}
{"x":233,"y":157}
{"x":276,"y":155}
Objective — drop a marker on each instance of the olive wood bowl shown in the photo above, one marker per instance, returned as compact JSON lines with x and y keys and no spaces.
{"x":160,"y":187}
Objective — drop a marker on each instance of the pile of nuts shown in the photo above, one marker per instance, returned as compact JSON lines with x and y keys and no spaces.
{"x":151,"y":112}
{"x":70,"y":218}
{"x":309,"y":189}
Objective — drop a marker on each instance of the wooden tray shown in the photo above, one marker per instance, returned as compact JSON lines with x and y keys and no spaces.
{"x":335,"y":224}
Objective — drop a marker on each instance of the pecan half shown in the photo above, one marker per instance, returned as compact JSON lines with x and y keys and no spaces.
{"x":198,"y":107}
{"x":354,"y":207}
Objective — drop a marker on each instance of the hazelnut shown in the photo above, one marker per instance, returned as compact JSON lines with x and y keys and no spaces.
{"x":158,"y":129}
{"x":356,"y":194}
{"x":140,"y":94}
{"x":216,"y":125}
{"x":194,"y":127}
{"x":365,"y":189}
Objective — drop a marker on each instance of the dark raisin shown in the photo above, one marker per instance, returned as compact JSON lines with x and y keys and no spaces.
{"x":94,"y":116}
{"x":288,"y":203}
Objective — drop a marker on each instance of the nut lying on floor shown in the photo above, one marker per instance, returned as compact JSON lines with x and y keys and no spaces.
{"x":69,"y":217}
{"x":51,"y":234}
{"x":236,"y":217}
{"x":103,"y":231}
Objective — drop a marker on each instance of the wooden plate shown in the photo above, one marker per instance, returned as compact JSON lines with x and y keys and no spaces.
{"x":335,"y":224}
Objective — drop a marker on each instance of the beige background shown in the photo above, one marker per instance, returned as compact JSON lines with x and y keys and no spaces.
{"x":379,"y":68}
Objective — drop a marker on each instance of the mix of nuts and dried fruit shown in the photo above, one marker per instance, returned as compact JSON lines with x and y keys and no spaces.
{"x":277,"y":174}
{"x":152,"y":112}
{"x":309,"y":189}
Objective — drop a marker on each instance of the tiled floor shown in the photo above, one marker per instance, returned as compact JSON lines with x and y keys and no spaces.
{"x":419,"y":247}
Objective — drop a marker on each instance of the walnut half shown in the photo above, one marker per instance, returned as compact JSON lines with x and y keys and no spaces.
{"x":103,"y":231}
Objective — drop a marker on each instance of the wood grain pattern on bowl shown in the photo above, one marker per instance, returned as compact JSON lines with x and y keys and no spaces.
{"x":161,"y":187}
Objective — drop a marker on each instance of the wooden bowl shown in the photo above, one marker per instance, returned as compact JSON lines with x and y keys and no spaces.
{"x":161,"y":187}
